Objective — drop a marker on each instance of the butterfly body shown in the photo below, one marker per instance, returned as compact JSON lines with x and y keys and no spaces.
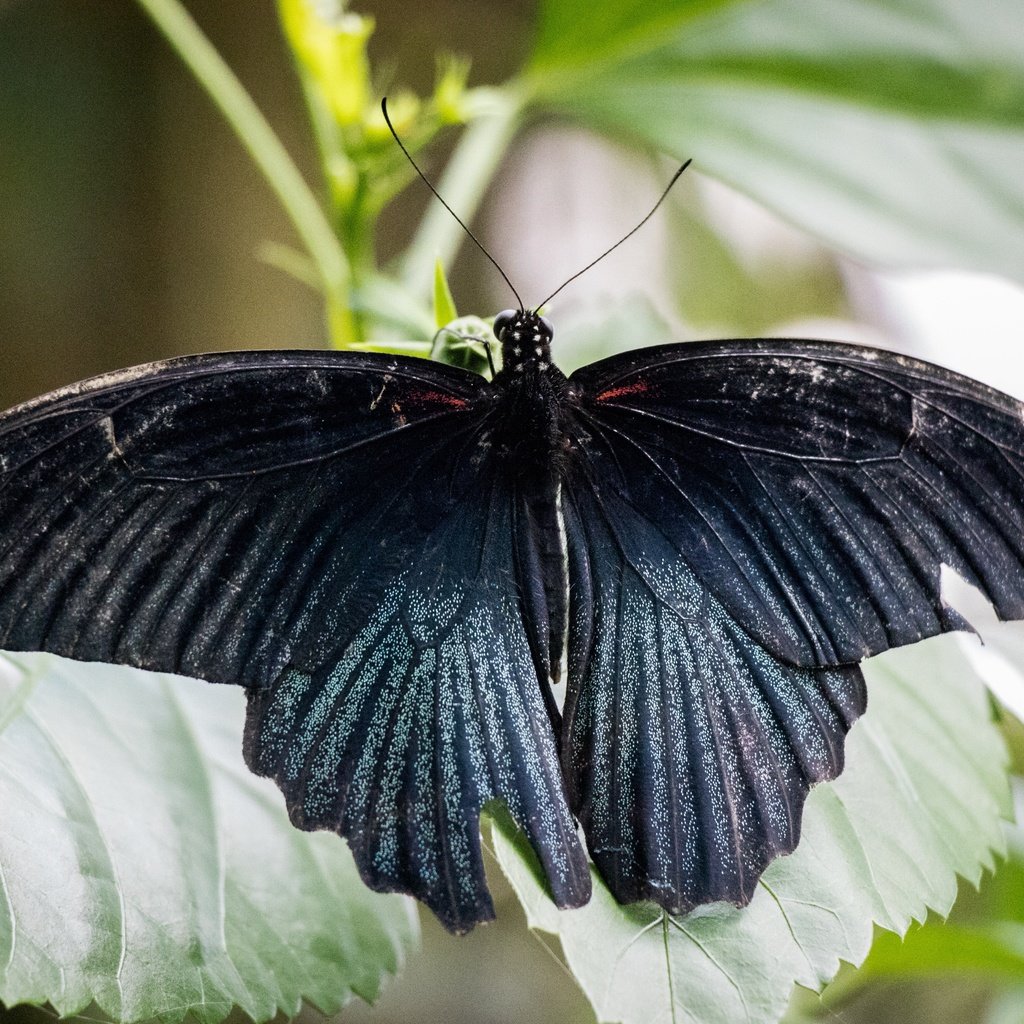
{"x":391,"y":556}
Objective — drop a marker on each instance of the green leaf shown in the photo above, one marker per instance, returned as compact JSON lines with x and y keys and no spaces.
{"x":715,"y":288}
{"x":466,"y":341}
{"x":610,"y":29}
{"x":894,"y":131}
{"x":444,"y":305}
{"x":144,"y":868}
{"x":921,"y":801}
{"x":939,"y":950}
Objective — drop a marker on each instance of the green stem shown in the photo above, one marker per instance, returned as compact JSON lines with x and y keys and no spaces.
{"x":477,"y":156}
{"x":270,"y":156}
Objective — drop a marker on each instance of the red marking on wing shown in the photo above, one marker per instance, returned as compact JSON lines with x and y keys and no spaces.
{"x":434,"y":398}
{"x":636,"y":388}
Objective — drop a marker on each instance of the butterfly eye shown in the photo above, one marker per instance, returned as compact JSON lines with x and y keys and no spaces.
{"x":548,"y":329}
{"x":503,"y":321}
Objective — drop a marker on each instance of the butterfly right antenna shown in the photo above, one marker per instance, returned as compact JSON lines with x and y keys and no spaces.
{"x":462,"y":223}
{"x":629,"y":234}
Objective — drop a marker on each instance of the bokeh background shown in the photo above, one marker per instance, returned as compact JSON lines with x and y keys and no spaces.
{"x":131,"y":220}
{"x":131,"y":226}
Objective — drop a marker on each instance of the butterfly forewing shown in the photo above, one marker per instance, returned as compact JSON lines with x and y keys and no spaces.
{"x":195,"y":502}
{"x":817,"y":489}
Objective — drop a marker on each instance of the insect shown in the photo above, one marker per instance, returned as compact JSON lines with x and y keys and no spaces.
{"x":392,"y":557}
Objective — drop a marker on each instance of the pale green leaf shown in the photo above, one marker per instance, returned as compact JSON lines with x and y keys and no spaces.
{"x":143,"y":868}
{"x":894,"y":131}
{"x":921,"y":802}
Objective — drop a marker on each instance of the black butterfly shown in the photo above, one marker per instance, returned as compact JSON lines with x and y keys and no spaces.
{"x":391,"y":556}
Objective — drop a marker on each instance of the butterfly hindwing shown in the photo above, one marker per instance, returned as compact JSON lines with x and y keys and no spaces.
{"x":816,"y":489}
{"x":333,"y":532}
{"x":433,"y":710}
{"x":688,"y":749}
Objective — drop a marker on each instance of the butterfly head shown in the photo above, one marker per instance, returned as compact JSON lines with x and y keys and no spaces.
{"x":525,"y":338}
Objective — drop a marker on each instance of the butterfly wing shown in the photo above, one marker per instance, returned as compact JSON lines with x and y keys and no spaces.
{"x":746,"y":521}
{"x":330,"y":531}
{"x":688,"y":750}
{"x":817,"y":489}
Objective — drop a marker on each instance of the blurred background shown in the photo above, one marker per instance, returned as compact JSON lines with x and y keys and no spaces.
{"x":131,"y":227}
{"x":132,"y":220}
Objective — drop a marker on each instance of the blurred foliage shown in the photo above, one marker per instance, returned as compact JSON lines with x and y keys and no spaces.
{"x":890,"y":131}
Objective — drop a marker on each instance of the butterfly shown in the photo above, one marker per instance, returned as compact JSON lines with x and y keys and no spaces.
{"x":392,"y":556}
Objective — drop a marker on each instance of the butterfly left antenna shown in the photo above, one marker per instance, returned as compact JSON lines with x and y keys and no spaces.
{"x":462,"y":223}
{"x":629,"y":234}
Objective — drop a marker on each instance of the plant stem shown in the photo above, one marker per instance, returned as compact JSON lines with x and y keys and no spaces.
{"x":269,"y":154}
{"x":463,"y":184}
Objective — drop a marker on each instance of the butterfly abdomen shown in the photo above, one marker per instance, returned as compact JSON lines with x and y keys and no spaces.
{"x":529,"y":440}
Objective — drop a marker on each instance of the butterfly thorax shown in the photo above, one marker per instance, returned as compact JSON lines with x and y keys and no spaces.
{"x":525,"y":340}
{"x":532,"y":393}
